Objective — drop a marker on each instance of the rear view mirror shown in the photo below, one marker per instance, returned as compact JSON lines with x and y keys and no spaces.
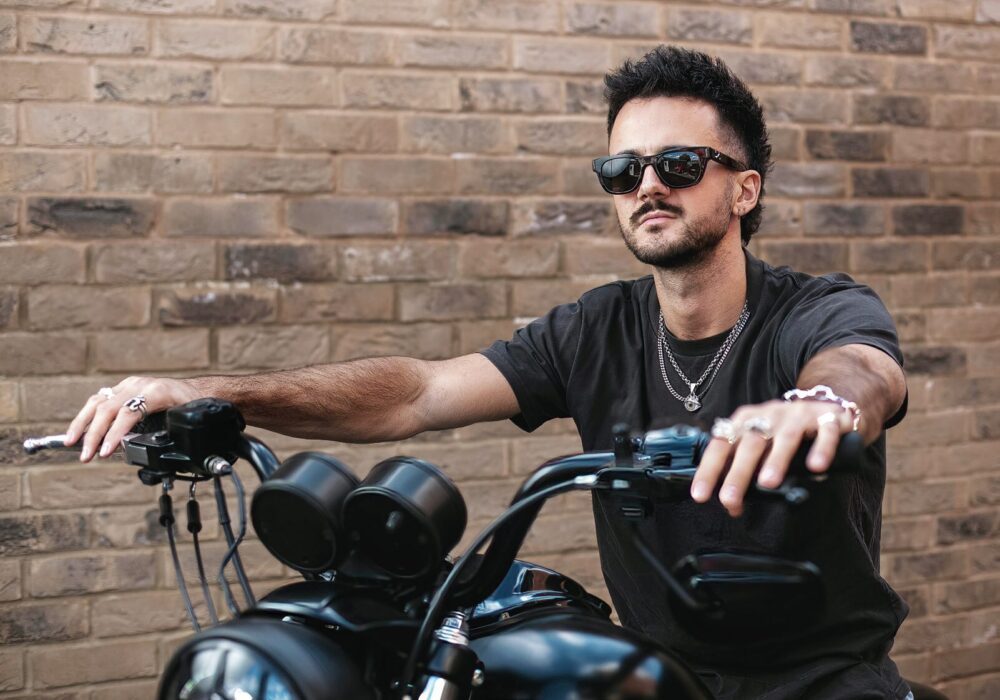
{"x":747,"y":597}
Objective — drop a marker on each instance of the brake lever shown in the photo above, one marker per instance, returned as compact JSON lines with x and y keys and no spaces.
{"x":33,"y":445}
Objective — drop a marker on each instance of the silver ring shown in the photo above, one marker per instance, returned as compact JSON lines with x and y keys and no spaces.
{"x":759,"y":425}
{"x":828,"y":417}
{"x":137,"y":404}
{"x":725,"y":429}
{"x":106,"y":392}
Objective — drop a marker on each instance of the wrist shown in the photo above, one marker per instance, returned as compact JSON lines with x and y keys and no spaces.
{"x":825,"y":394}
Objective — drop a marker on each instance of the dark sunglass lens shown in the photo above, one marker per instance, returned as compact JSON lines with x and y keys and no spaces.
{"x":679,"y":168}
{"x":620,"y":175}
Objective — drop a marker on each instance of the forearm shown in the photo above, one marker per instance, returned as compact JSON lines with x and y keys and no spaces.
{"x":864,"y":375}
{"x":367,"y":400}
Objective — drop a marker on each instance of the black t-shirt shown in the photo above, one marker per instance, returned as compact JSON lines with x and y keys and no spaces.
{"x":596,"y":361}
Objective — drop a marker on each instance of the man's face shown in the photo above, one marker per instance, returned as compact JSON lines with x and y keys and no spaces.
{"x":663,"y":226}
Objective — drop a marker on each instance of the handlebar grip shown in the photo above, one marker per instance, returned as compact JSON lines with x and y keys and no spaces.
{"x":847,"y":459}
{"x":153,"y":422}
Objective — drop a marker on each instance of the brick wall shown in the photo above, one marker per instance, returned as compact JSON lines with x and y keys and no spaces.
{"x":231,"y":185}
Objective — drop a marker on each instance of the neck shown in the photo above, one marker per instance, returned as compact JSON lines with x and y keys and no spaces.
{"x":707,"y":298}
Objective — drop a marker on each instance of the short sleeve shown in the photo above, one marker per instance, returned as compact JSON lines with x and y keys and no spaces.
{"x":835,"y":313}
{"x":538,"y":362}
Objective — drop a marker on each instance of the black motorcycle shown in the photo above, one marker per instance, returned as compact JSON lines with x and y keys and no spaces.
{"x":383,"y":611}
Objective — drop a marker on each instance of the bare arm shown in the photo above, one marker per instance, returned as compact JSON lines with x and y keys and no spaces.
{"x":360,"y":401}
{"x":859,"y":373}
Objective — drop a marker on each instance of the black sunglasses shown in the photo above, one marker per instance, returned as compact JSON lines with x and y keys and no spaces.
{"x":676,"y":168}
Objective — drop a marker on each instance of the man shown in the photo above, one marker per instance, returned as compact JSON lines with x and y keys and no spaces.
{"x":713,"y":333}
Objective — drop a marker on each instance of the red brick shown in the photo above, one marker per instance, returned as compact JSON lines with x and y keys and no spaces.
{"x":966,"y":324}
{"x":399,"y":91}
{"x":288,"y":346}
{"x":965,"y":113}
{"x":8,"y":32}
{"x":929,"y":635}
{"x":334,"y":46}
{"x":172,"y":84}
{"x":802,"y":31}
{"x":510,"y":176}
{"x":43,"y":622}
{"x":157,"y":6}
{"x":8,"y":402}
{"x":974,"y":42}
{"x":315,"y":10}
{"x":807,"y":256}
{"x":847,"y":71}
{"x":89,"y":217}
{"x":137,"y":613}
{"x":127,"y":351}
{"x":443,"y":51}
{"x":41,"y":353}
{"x":230,"y":128}
{"x":189,"y":38}
{"x":439,"y":302}
{"x":563,"y":136}
{"x":48,"y":80}
{"x":286,"y":86}
{"x":560,"y":56}
{"x":258,"y":174}
{"x":518,"y":95}
{"x":154,"y":261}
{"x":423,"y":261}
{"x":804,"y":106}
{"x":710,"y":25}
{"x":578,"y":179}
{"x":534,"y":298}
{"x":126,"y":691}
{"x":281,"y":261}
{"x":565,"y":532}
{"x":937,"y":76}
{"x":927,"y":566}
{"x":53,"y":306}
{"x":553,"y":216}
{"x":386,"y":175}
{"x":12,"y":670}
{"x":427,"y":341}
{"x":424,"y":134}
{"x":600,"y":257}
{"x":77,"y":487}
{"x":343,"y":133}
{"x":54,"y":668}
{"x":144,"y":172}
{"x":909,"y":534}
{"x":808,"y":180}
{"x":342,"y":216}
{"x":967,"y":595}
{"x":473,"y":336}
{"x":417,"y":12}
{"x":612,"y":19}
{"x":90,"y":35}
{"x":232,"y":216}
{"x":513,"y":15}
{"x":216,"y":305}
{"x":26,"y":171}
{"x":86,"y":125}
{"x":487,"y":258}
{"x":72,"y":575}
{"x":919,"y":498}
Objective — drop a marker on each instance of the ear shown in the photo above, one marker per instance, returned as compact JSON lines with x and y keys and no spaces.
{"x":747,"y":192}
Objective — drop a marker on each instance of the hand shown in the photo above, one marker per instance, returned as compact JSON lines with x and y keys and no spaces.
{"x":107,"y":420}
{"x":767,"y":436}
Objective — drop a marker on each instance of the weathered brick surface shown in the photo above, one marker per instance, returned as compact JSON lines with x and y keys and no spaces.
{"x":194,"y":186}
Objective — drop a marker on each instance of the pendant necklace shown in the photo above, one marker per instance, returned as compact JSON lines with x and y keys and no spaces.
{"x":692,"y":402}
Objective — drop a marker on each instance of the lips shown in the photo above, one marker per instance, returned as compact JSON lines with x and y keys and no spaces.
{"x":656,"y":216}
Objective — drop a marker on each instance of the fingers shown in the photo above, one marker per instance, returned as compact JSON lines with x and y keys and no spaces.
{"x":749,"y":450}
{"x":786,"y":443}
{"x":829,"y":426}
{"x":713,"y":463}
{"x":122,"y":424}
{"x":104,"y":414}
{"x":82,"y":419}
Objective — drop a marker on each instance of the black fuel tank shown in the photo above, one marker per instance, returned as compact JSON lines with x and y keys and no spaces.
{"x":541,"y":636}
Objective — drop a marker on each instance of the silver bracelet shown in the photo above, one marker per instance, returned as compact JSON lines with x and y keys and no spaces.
{"x":821,"y":392}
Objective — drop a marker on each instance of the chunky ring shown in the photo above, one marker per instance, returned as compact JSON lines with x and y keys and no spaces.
{"x":137,"y":404}
{"x":759,"y":425}
{"x":106,"y":392}
{"x":725,"y":429}
{"x":828,"y":417}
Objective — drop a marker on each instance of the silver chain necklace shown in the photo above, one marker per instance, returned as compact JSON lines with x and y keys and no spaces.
{"x":692,"y":402}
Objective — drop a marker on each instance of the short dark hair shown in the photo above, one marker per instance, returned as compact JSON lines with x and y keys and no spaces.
{"x":670,"y":71}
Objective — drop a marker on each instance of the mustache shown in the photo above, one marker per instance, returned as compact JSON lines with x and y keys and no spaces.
{"x":654,"y":205}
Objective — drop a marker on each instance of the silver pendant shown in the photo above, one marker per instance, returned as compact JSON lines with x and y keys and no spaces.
{"x":692,"y":403}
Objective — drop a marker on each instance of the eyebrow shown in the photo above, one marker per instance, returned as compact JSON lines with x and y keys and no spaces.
{"x":633,"y":152}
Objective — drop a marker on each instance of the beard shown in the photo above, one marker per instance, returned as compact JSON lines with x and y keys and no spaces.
{"x":694,"y":242}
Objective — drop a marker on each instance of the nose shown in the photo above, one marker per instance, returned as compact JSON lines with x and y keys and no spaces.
{"x":650,"y":185}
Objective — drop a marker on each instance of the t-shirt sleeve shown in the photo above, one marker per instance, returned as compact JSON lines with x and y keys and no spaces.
{"x":538,"y":362}
{"x":840,"y":312}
